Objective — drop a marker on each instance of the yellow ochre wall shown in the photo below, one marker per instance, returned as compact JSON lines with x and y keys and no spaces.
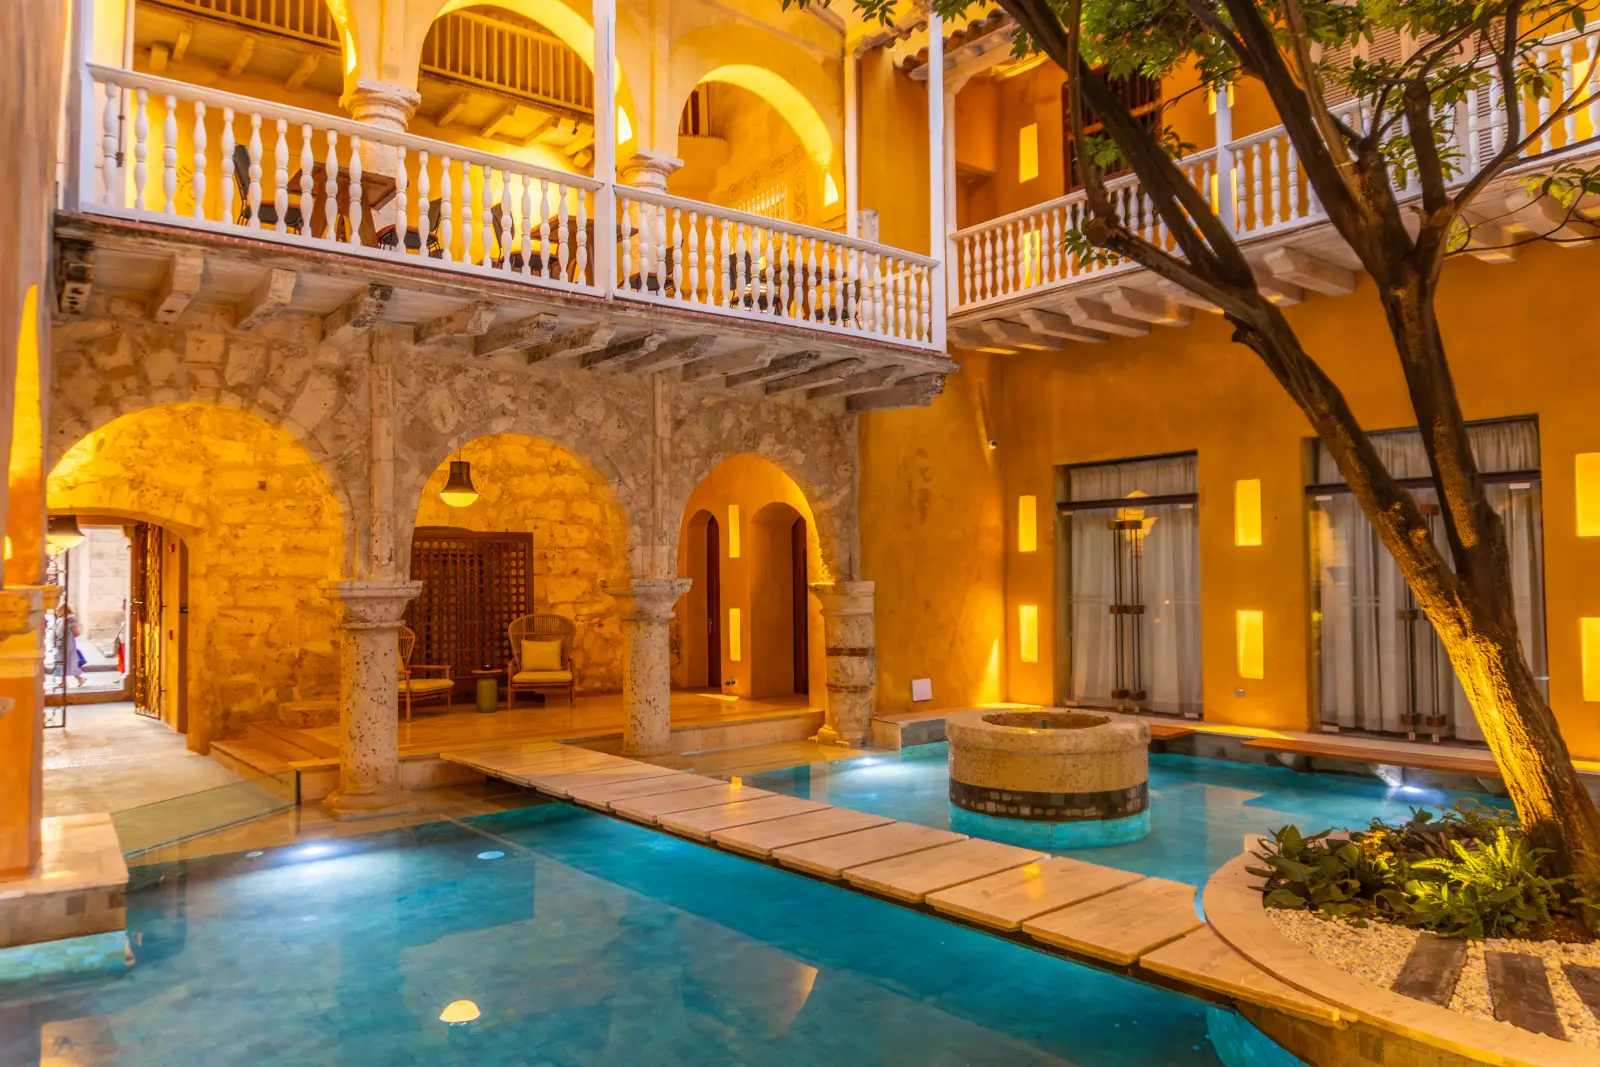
{"x":761,"y":572}
{"x":1521,"y":341}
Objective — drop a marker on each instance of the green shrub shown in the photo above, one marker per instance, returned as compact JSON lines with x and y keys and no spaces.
{"x":1494,"y":889}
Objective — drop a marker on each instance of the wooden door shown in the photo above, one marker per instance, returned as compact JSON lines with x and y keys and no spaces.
{"x":713,"y":604}
{"x":802,"y":628}
{"x":146,"y":618}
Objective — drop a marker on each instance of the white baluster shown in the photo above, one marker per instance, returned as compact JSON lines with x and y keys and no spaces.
{"x":1593,"y":90}
{"x":355,"y":198}
{"x":819,"y":296}
{"x":330,"y":189}
{"x":580,"y":273}
{"x":544,"y":227}
{"x":561,"y":230}
{"x":1056,"y":265}
{"x":229,"y":181}
{"x":466,"y":212}
{"x":1569,"y":123}
{"x":1257,"y":186}
{"x":988,"y":264}
{"x":1008,"y":262}
{"x":198,"y":182}
{"x":1545,"y":141}
{"x":506,"y":219}
{"x":141,"y":138}
{"x":625,"y":220}
{"x":692,"y":277}
{"x":1295,"y":210}
{"x":709,"y":267}
{"x":1497,"y":117}
{"x":169,"y":156}
{"x":924,"y":305}
{"x":424,"y":207}
{"x":280,"y":176}
{"x":739,"y":266}
{"x":784,"y":277}
{"x":307,"y":183}
{"x":1241,"y":186}
{"x":1276,"y":214}
{"x":725,"y":265}
{"x":447,"y":199}
{"x":401,"y":222}
{"x":486,"y":210}
{"x":526,"y":187}
{"x":110,"y":171}
{"x":253,"y":190}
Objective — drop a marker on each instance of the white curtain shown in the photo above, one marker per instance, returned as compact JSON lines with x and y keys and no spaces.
{"x":1375,"y":665}
{"x":1170,"y":625}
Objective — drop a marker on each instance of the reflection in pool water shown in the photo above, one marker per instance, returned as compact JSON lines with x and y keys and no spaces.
{"x":588,"y":942}
{"x":1200,"y":809}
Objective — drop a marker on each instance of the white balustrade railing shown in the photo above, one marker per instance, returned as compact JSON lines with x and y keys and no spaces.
{"x":158,"y":149}
{"x":1027,"y":249}
{"x":683,"y":252}
{"x":1265,"y":190}
{"x":224,"y":162}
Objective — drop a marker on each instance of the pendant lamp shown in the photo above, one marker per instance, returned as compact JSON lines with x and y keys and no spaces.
{"x":63,"y":532}
{"x":458,"y":491}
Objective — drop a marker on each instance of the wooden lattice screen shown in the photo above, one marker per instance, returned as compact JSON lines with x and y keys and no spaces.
{"x":473,"y":586}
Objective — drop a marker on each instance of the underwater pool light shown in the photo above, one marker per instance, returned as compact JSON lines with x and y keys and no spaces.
{"x":491,"y":855}
{"x":459,"y":1011}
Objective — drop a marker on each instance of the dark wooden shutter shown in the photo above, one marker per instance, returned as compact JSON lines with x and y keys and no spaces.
{"x":473,"y":586}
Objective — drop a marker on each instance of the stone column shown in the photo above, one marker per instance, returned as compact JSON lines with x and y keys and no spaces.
{"x":22,"y":610}
{"x":852,"y":661}
{"x":369,"y":719}
{"x":387,"y":107}
{"x":646,"y":605}
{"x":649,"y":170}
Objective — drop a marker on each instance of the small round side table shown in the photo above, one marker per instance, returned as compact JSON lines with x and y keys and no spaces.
{"x":488,"y":689}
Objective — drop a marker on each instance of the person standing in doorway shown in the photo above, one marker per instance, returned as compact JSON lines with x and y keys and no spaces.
{"x":72,"y":659}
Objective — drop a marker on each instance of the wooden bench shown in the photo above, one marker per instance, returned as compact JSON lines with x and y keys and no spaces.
{"x":1449,"y":761}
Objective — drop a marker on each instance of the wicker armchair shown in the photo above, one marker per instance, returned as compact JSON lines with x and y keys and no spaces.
{"x":540,"y":628}
{"x":414,"y":688}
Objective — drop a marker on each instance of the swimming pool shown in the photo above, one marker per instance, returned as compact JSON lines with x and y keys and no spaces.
{"x":562,"y":937}
{"x":1200,"y":809}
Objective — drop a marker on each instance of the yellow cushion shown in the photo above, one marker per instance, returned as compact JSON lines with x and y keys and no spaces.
{"x":427,"y":685}
{"x":541,"y":655}
{"x":542,"y":678}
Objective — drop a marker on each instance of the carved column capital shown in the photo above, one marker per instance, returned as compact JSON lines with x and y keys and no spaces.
{"x":844,"y":598}
{"x":646,"y":599}
{"x":649,"y":170}
{"x":381,"y":104}
{"x":22,"y":608}
{"x":372,"y":605}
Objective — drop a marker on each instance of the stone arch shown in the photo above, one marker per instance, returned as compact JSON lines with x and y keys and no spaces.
{"x":263,"y":528}
{"x":104,"y":370}
{"x":788,"y":77}
{"x":566,"y":21}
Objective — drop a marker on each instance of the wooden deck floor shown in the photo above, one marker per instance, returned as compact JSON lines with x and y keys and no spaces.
{"x":594,"y":717}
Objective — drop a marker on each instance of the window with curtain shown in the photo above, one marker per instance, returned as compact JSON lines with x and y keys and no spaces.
{"x":1132,"y":598}
{"x":1381,"y":667}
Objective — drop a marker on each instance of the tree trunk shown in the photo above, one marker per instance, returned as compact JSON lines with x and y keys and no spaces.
{"x":1521,"y":730}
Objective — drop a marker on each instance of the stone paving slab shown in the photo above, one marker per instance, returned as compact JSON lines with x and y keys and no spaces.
{"x":700,"y":823}
{"x":1121,"y":926}
{"x":759,"y":839}
{"x":556,"y":782}
{"x":1204,"y":959}
{"x":650,"y":809}
{"x":517,"y":766}
{"x":832,"y":856}
{"x":601,"y":796}
{"x":1010,"y":898}
{"x":913,"y":876}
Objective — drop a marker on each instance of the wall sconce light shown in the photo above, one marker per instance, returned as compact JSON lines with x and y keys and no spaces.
{"x":63,"y":533}
{"x":1027,"y":524}
{"x":1028,"y":632}
{"x":735,"y":639}
{"x":1252,"y":644}
{"x":1247,"y":512}
{"x":733,"y":531}
{"x":1591,"y":658}
{"x":1588,"y":493}
{"x":1028,"y":152}
{"x":458,"y":491}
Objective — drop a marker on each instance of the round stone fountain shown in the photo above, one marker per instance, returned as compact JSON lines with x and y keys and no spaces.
{"x":1054,"y":778}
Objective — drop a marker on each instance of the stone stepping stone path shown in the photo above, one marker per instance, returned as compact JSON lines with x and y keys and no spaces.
{"x":1519,"y":989}
{"x":1432,"y":969}
{"x":1094,"y":912}
{"x":1585,"y":982}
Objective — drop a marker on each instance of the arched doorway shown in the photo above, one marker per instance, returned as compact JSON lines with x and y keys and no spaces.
{"x":541,"y":537}
{"x":748,"y":542}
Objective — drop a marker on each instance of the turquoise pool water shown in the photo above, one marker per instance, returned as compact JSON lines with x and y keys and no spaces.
{"x":578,"y":940}
{"x":1200,"y":809}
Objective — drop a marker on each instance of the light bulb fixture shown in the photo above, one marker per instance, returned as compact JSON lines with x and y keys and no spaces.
{"x":458,"y":491}
{"x":63,"y":532}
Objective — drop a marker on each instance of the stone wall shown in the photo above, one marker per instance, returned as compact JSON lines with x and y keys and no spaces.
{"x":528,"y":485}
{"x":262,"y":529}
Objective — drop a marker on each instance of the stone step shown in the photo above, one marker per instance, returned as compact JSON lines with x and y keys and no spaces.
{"x":1519,"y":989}
{"x":1121,"y":926}
{"x":1202,"y":958}
{"x":1432,"y":969}
{"x":1010,"y":898}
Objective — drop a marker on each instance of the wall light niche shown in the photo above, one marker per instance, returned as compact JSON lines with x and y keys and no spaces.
{"x":1027,"y":524}
{"x":733,"y":531}
{"x":1252,"y":644}
{"x":1028,"y":632}
{"x":1588,"y":491}
{"x":735,"y":638}
{"x":1247,"y":512}
{"x":1028,"y":152}
{"x":1591,"y":658}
